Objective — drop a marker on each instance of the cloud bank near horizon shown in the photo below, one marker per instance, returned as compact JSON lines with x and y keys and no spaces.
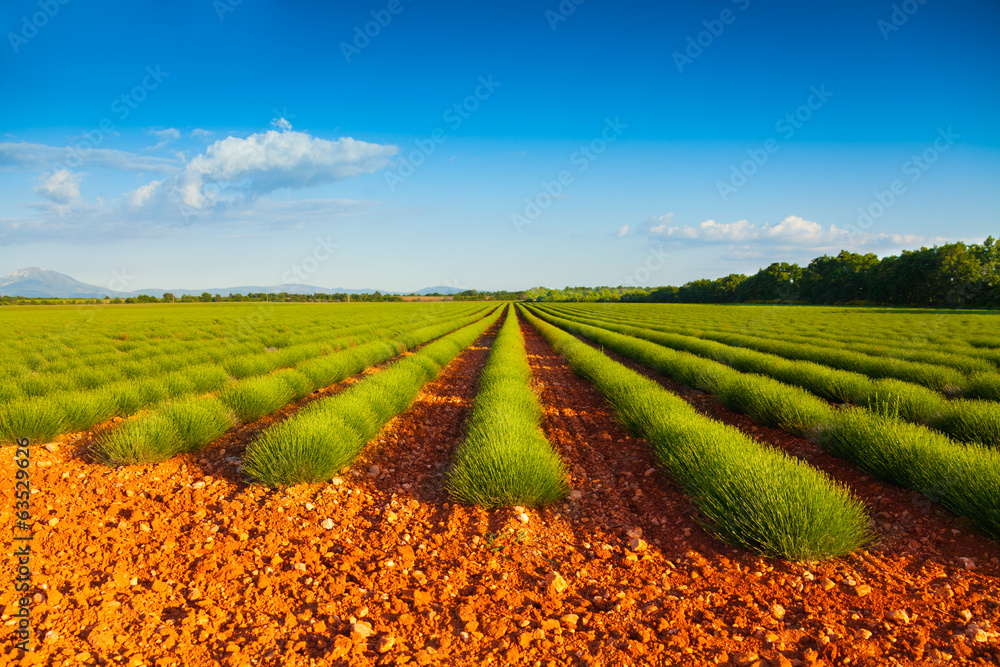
{"x":231,"y":175}
{"x":746,"y":240}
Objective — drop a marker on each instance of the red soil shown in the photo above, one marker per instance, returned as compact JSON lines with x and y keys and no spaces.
{"x":184,"y":563}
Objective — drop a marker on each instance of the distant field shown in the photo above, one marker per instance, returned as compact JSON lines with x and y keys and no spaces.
{"x":468,"y":479}
{"x":910,"y":396}
{"x":901,"y":393}
{"x":69,"y":368}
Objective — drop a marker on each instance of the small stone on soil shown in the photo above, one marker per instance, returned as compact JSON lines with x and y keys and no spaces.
{"x":898,"y":616}
{"x":555,"y":584}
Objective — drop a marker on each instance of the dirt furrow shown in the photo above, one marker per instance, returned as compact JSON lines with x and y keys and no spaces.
{"x":926,"y":561}
{"x":412,"y":454}
{"x":615,"y":474}
{"x":184,"y":563}
{"x":905,"y":520}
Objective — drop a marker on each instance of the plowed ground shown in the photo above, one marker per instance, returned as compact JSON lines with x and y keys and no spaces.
{"x":185,"y":563}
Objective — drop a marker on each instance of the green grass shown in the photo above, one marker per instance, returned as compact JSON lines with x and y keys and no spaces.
{"x":139,"y":358}
{"x":936,"y":350}
{"x":875,"y":440}
{"x":983,"y":385}
{"x":206,"y":377}
{"x":9,"y":390}
{"x":86,"y":409}
{"x":971,"y":421}
{"x":828,"y":383}
{"x":178,"y":384}
{"x":131,"y":369}
{"x":166,"y":363}
{"x":774,"y":404}
{"x":192,"y":423}
{"x":505,"y":458}
{"x":39,"y":385}
{"x":904,"y":400}
{"x":198,"y":422}
{"x":255,"y":397}
{"x":152,"y":390}
{"x":33,"y":418}
{"x":905,"y":333}
{"x":128,"y":397}
{"x":328,"y":370}
{"x":962,"y":478}
{"x":765,"y":399}
{"x":244,"y":367}
{"x":748,"y":494}
{"x":88,"y":378}
{"x":907,"y":400}
{"x":299,"y":383}
{"x":138,"y":441}
{"x":328,"y":434}
{"x":183,"y":426}
{"x":936,"y":377}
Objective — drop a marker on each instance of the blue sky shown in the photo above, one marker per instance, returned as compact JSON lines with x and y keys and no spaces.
{"x":488,"y":145}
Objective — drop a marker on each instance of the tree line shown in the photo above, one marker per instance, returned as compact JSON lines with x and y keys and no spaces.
{"x":954,"y":274}
{"x":205,"y":297}
{"x":951,"y":275}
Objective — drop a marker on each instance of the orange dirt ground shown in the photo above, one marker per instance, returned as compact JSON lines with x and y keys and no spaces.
{"x":185,"y":563}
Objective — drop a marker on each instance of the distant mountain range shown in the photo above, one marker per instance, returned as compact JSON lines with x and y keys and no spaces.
{"x":34,"y":282}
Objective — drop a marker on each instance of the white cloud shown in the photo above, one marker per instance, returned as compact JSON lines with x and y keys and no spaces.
{"x":622,"y":231}
{"x":225,"y":185}
{"x":165,"y":136}
{"x":660,"y":223}
{"x":22,"y":156}
{"x":263,"y":163}
{"x":199,"y":133}
{"x":793,"y":230}
{"x":143,"y":194}
{"x":145,"y":213}
{"x":711,"y":231}
{"x":745,"y":238}
{"x":281,"y":124}
{"x":61,"y":186}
